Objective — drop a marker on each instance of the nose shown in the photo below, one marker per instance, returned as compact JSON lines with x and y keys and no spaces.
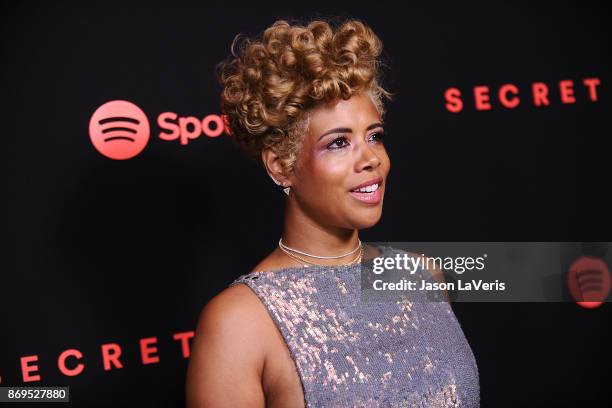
{"x":368,"y":159}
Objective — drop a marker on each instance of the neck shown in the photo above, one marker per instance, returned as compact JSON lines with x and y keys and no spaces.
{"x":303,"y":233}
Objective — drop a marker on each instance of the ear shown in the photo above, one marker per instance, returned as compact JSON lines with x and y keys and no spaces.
{"x":272,"y":163}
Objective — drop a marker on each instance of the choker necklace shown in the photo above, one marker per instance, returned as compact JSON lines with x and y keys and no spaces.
{"x":286,"y":248}
{"x":306,"y":263}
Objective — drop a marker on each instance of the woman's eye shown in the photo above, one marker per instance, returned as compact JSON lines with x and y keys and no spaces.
{"x":377,"y":137}
{"x":337,"y":143}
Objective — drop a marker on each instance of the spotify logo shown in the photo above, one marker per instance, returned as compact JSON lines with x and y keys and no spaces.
{"x":119,"y":130}
{"x":589,"y":281}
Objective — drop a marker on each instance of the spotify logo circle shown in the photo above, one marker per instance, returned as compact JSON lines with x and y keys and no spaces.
{"x":119,"y":130}
{"x":588,"y":281}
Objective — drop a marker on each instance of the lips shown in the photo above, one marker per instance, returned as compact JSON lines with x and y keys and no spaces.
{"x":368,"y":192}
{"x":378,"y":181}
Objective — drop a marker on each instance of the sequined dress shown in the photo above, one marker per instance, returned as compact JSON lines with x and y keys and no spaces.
{"x":350,"y":353}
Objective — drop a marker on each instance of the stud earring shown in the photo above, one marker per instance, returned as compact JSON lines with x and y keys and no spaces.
{"x":278,"y":183}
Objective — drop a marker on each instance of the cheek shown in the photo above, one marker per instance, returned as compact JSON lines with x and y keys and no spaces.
{"x":329,"y":174}
{"x":385,"y":160}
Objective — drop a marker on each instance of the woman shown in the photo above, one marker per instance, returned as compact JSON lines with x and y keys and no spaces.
{"x":307,"y":102}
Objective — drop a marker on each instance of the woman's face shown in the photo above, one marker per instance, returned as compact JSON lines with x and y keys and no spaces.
{"x":342,"y":152}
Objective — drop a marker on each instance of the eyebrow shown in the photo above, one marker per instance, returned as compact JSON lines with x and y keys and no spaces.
{"x":348,"y":130}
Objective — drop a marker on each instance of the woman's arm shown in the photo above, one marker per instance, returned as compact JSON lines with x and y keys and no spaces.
{"x":227,"y":354}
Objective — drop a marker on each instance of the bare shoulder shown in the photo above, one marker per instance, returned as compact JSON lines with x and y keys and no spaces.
{"x":232,"y":311}
{"x":228,"y":351}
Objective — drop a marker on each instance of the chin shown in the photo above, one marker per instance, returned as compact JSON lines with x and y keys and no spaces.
{"x":367,"y":219}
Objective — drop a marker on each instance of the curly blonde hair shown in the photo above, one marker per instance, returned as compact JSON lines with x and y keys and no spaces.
{"x":270,"y":85}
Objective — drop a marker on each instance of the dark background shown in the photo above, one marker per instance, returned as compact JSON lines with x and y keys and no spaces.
{"x":98,"y":251}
